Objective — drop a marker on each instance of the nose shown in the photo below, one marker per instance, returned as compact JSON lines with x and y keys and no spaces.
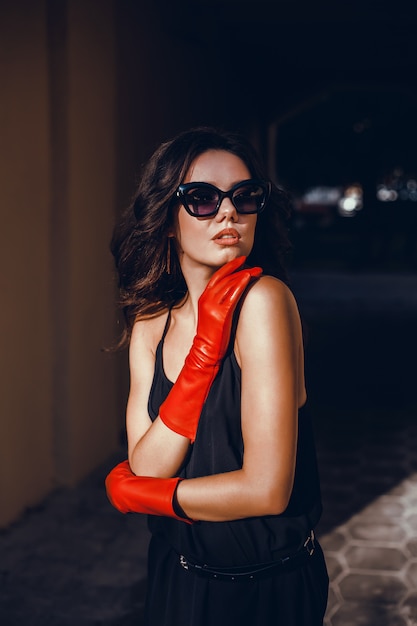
{"x":227,"y":210}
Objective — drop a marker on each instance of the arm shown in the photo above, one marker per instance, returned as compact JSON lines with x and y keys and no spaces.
{"x":153,"y":449}
{"x":269,"y":346}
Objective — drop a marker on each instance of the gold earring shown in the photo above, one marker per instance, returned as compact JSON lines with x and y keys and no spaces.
{"x":168,"y":260}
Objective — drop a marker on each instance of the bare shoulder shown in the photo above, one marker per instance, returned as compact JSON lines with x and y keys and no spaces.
{"x":269,"y":295}
{"x":269,"y":316}
{"x":146,"y":334}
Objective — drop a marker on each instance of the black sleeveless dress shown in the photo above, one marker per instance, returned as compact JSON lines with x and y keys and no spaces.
{"x":295,"y":596}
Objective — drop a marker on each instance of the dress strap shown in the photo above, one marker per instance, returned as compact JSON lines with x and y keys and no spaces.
{"x":167,"y":323}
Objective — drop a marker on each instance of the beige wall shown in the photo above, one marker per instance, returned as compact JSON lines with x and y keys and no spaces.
{"x":90,"y":427}
{"x":58,"y":416}
{"x":26,"y":466}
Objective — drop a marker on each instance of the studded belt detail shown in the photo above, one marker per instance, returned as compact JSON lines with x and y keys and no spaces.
{"x":252,"y":572}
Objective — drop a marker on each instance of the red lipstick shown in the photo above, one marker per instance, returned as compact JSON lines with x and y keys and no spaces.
{"x":227,"y":237}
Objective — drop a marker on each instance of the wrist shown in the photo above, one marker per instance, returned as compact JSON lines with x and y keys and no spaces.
{"x":178,"y":510}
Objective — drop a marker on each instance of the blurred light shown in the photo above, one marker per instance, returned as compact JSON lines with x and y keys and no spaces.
{"x":351,"y":202}
{"x":328,"y":196}
{"x":386,"y":195}
{"x":347,"y":204}
{"x":412,"y":189}
{"x":397,"y":186}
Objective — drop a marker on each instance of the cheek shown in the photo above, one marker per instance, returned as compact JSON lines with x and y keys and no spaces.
{"x":186,"y":228}
{"x":249,"y":238}
{"x":251,"y":229}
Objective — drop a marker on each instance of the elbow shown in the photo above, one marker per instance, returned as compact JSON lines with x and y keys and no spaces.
{"x":276,"y":506}
{"x":141,"y":465}
{"x":274,"y":501}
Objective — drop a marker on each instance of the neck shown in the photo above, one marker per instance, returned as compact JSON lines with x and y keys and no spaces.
{"x":196,"y":279}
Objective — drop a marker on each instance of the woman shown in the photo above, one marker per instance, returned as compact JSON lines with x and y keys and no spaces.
{"x":220,"y":447}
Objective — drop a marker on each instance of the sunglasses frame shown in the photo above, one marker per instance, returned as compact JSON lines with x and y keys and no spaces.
{"x":182,"y":190}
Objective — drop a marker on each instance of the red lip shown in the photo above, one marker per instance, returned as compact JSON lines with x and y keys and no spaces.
{"x":227,"y":235}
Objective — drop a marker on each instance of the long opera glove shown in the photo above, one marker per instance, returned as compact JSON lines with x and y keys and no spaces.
{"x":182,"y":408}
{"x":142,"y":494}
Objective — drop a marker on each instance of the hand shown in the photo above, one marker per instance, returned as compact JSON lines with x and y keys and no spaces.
{"x":182,"y":408}
{"x":142,"y":494}
{"x":216,"y":308}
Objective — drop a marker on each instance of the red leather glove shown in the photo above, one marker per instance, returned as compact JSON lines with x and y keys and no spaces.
{"x":182,"y":408}
{"x":141,"y":494}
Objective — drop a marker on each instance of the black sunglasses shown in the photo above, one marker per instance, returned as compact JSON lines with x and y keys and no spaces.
{"x":204,"y":199}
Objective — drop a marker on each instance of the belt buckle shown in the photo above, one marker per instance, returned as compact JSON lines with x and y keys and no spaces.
{"x":184,"y":562}
{"x":309,"y":543}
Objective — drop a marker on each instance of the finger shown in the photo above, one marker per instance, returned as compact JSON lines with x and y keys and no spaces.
{"x":236,"y":277}
{"x":235,"y":287}
{"x":221,"y":286}
{"x":218,"y":290}
{"x":222,"y":291}
{"x":255,"y":271}
{"x":243,"y":277}
{"x":237,"y":281}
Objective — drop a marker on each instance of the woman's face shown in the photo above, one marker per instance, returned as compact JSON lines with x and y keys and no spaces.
{"x":213,"y":241}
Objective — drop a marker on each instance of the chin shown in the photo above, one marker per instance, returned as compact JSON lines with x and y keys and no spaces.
{"x":228,"y":254}
{"x":234,"y":251}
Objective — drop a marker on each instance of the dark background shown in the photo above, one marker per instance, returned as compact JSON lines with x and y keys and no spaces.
{"x":331,"y":88}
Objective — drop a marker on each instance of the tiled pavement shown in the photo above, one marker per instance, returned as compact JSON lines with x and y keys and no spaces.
{"x":361,"y":350}
{"x":372,"y":554}
{"x":74,"y":561}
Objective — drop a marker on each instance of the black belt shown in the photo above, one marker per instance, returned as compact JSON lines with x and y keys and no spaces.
{"x":252,"y":572}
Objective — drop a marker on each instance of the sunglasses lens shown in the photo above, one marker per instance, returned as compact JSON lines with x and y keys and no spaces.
{"x":249,"y":198}
{"x":204,"y":199}
{"x":201,"y":201}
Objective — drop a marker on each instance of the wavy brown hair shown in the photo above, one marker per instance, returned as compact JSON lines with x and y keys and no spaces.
{"x":141,"y":238}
